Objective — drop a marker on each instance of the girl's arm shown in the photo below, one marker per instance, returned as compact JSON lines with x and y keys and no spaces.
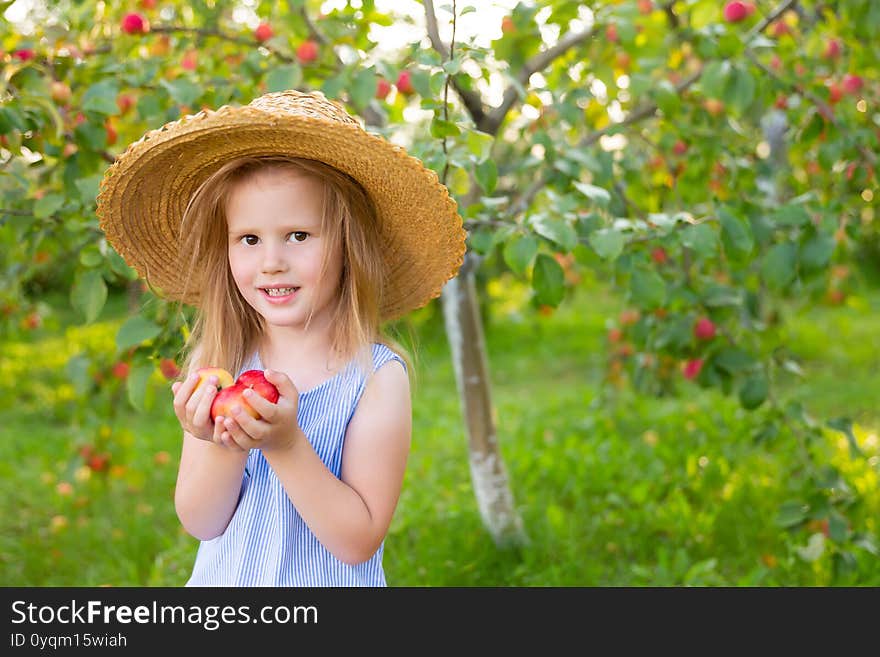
{"x":350,"y":515}
{"x":209,"y":477}
{"x":208,"y":486}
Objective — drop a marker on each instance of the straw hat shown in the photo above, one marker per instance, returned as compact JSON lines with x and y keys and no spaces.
{"x":145,"y":192}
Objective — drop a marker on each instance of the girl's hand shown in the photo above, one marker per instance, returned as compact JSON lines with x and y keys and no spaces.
{"x":277,"y":428}
{"x":193,"y":411}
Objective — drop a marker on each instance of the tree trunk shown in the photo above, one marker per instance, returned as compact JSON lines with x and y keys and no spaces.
{"x":464,"y":330}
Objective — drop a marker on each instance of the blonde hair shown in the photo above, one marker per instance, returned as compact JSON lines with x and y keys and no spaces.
{"x":227,"y":329}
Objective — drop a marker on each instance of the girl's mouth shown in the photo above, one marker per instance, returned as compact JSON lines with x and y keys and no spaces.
{"x":279,"y":295}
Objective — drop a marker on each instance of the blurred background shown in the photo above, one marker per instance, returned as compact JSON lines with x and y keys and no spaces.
{"x":668,"y":369}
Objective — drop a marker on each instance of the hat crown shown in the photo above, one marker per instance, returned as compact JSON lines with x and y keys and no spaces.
{"x":297,"y":103}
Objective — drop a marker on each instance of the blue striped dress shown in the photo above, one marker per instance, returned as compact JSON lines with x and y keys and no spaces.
{"x":266,"y":542}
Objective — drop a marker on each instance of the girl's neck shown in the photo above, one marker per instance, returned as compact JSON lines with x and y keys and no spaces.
{"x":280,"y":349}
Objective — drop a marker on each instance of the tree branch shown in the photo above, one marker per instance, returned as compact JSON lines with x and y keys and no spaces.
{"x":537,"y":63}
{"x":471,"y":99}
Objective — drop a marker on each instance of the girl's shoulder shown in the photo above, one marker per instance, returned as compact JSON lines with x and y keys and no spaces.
{"x":382,"y":354}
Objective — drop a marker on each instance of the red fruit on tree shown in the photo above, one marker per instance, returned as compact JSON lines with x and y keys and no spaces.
{"x":124,"y":102}
{"x":646,"y":6}
{"x":404,"y":83}
{"x":134,"y":23}
{"x":148,"y":4}
{"x":25,"y":54}
{"x":169,"y":369}
{"x":852,"y":84}
{"x":263,"y":32}
{"x":611,"y":33}
{"x":615,"y":335}
{"x":190,"y":60}
{"x":659,"y":256}
{"x":735,"y":11}
{"x":307,"y":51}
{"x":704,"y":329}
{"x":680,"y":147}
{"x":98,"y":462}
{"x":835,"y":92}
{"x":111,"y":133}
{"x":832,"y":49}
{"x":120,"y":370}
{"x":60,"y":92}
{"x":383,"y":87}
{"x":507,"y":25}
{"x":691,"y":369}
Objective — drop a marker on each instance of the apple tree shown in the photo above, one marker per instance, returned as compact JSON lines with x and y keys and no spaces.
{"x":715,"y":160}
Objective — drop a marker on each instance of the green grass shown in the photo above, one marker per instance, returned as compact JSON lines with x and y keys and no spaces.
{"x":613,"y":489}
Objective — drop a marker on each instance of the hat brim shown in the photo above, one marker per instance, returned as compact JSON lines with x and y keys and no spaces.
{"x":145,"y":192}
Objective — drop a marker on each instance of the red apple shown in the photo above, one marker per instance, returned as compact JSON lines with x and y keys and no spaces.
{"x":60,"y":92}
{"x":233,"y":395}
{"x":404,"y":84}
{"x":111,"y":133}
{"x":190,"y":60}
{"x":148,"y":4}
{"x":691,"y":369}
{"x":98,"y":462}
{"x":25,"y":54}
{"x":852,"y":84}
{"x":735,"y":11}
{"x":659,"y":256}
{"x":714,"y":106}
{"x":224,"y":378}
{"x":507,"y":25}
{"x":704,"y":329}
{"x":134,"y":23}
{"x":124,"y":102}
{"x":383,"y":87}
{"x":680,"y":147}
{"x":307,"y":51}
{"x":835,"y":92}
{"x":263,"y":32}
{"x":646,"y":6}
{"x":169,"y":368}
{"x":832,"y":49}
{"x":611,"y":33}
{"x":121,"y":370}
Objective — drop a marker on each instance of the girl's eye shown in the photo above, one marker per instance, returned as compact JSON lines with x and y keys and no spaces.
{"x":299,"y":236}
{"x":250,"y":240}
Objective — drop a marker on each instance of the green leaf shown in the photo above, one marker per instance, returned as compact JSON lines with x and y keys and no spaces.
{"x":667,"y":98}
{"x":136,"y":386}
{"x":779,"y":265}
{"x":607,"y":243}
{"x":135,"y":331}
{"x":440,"y":128}
{"x":48,"y":205}
{"x":816,"y":252}
{"x":701,"y":238}
{"x":791,"y":513}
{"x":284,"y":77}
{"x":717,"y":296}
{"x":88,"y":188}
{"x":519,"y":252}
{"x":753,"y":392}
{"x":813,"y":549}
{"x":479,"y":144}
{"x":740,"y":89}
{"x":363,"y":88}
{"x":182,"y":91}
{"x":77,"y":370}
{"x":548,"y":280}
{"x":597,"y":195}
{"x":88,"y":294}
{"x":556,"y":229}
{"x":734,"y":360}
{"x":791,"y":215}
{"x":837,"y":527}
{"x":845,"y":426}
{"x":647,"y":289}
{"x":101,"y":98}
{"x":487,"y":175}
{"x":736,"y":235}
{"x":714,"y":78}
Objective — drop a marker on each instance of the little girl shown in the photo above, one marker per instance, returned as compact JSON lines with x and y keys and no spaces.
{"x":296,"y":234}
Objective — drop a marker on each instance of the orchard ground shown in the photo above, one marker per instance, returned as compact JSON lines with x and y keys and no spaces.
{"x":614,"y":489}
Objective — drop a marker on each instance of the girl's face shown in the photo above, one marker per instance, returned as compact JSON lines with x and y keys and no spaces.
{"x":276,"y":249}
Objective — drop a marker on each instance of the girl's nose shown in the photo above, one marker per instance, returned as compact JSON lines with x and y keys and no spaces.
{"x":273,"y":259}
